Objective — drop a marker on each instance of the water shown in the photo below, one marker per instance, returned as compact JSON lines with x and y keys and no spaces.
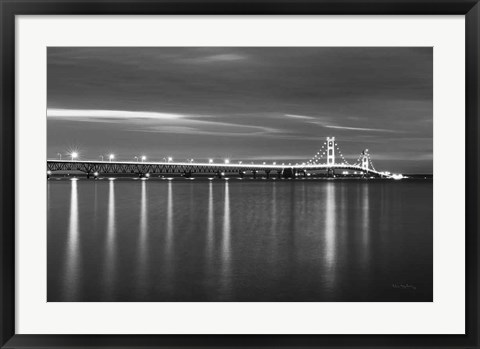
{"x":240,"y":240}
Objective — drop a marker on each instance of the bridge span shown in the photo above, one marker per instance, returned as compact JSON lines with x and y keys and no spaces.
{"x":326,"y":159}
{"x":95,"y":168}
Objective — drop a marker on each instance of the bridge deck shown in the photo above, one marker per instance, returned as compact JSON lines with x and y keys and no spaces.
{"x":179,"y":167}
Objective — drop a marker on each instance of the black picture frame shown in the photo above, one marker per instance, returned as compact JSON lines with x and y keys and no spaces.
{"x":10,"y":8}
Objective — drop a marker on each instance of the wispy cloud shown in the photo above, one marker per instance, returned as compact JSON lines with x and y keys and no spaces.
{"x":226,"y":57}
{"x":114,"y":114}
{"x":326,"y":125}
{"x":359,"y":128}
{"x":324,"y":122}
{"x":142,"y":121}
{"x":304,"y":117}
{"x":214,"y":128}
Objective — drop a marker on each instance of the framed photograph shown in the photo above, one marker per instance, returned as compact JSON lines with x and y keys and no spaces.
{"x":230,"y":174}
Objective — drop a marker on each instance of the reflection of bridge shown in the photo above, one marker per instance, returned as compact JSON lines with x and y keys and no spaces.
{"x":323,"y":160}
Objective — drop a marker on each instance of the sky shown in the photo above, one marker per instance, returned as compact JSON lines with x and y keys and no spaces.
{"x":242,"y":103}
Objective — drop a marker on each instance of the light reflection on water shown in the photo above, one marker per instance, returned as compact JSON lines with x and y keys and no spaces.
{"x":169,"y":259}
{"x":142,"y":242}
{"x":239,"y":240}
{"x":72,"y":247}
{"x":226,"y":244}
{"x":330,"y":234}
{"x":110,"y":243}
{"x":365,"y":228}
{"x":210,"y":230}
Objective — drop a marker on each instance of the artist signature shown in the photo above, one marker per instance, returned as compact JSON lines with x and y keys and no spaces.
{"x":404,"y":286}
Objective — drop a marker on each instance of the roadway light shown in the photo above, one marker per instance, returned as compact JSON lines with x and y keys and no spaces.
{"x":239,"y":162}
{"x":210,"y":161}
{"x":74,"y":155}
{"x":170,"y":159}
{"x":49,"y":172}
{"x":136,"y":158}
{"x":111,"y":157}
{"x":227,"y":161}
{"x":101,"y":156}
{"x":144,"y":158}
{"x":264,"y":162}
{"x":60,"y":155}
{"x":274,"y":163}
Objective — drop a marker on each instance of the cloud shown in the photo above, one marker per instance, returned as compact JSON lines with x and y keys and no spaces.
{"x":304,"y":117}
{"x":214,"y":129}
{"x":113,"y":114}
{"x":323,"y":124}
{"x":142,"y":121}
{"x":359,"y":128}
{"x":226,"y":57}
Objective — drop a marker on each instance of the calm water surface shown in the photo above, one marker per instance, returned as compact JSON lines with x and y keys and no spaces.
{"x":240,"y":240}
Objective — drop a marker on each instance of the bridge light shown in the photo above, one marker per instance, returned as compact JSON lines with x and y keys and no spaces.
{"x":210,"y":161}
{"x":144,"y":158}
{"x":227,"y":161}
{"x":74,"y":155}
{"x":111,"y":157}
{"x":170,"y":159}
{"x":95,"y":174}
{"x":147,"y":175}
{"x":49,"y":172}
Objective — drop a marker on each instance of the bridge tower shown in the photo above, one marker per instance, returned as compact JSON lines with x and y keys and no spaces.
{"x":330,"y":151}
{"x":365,"y":159}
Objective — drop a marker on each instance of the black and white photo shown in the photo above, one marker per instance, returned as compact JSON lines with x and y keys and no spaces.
{"x":239,"y":174}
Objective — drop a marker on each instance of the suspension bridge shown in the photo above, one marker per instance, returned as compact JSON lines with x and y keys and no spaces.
{"x":328,"y":159}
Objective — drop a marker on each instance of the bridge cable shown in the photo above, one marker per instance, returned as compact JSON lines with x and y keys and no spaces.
{"x":318,"y":156}
{"x":371,"y":163}
{"x":345,"y":162}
